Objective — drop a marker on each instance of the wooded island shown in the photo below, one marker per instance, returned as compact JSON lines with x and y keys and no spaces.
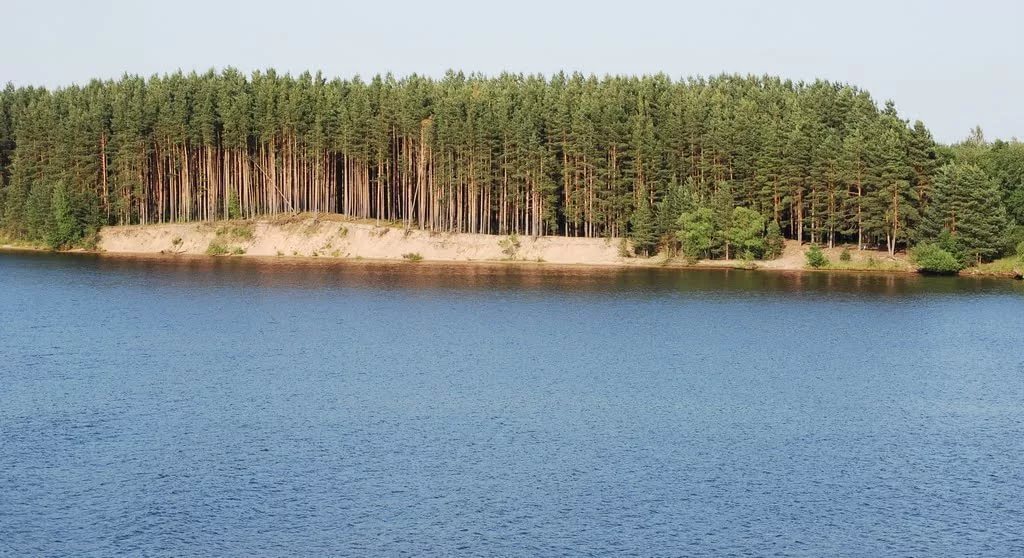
{"x":720,"y":167}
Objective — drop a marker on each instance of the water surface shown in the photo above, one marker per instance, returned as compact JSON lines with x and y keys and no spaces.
{"x":225,"y":407}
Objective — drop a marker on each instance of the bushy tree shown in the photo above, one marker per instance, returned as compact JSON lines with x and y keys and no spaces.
{"x":746,"y":233}
{"x":697,"y":233}
{"x":931,"y":258}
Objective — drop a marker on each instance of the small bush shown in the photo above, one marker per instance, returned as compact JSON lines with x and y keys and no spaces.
{"x":217,"y":249}
{"x":844,"y":256}
{"x":931,"y":258}
{"x":237,"y":251}
{"x":412,"y":257}
{"x":510,"y":246}
{"x":1020,"y":250}
{"x":816,"y":258}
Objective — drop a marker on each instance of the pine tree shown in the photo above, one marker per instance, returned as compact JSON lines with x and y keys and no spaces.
{"x":643,"y":232}
{"x":963,"y":207}
{"x":573,"y":155}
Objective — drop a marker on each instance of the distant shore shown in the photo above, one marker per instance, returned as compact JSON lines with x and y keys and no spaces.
{"x":334,"y":237}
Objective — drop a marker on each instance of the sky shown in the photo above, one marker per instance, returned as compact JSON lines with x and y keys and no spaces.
{"x":952,"y":64}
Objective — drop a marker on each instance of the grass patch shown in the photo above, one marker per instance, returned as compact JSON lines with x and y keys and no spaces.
{"x":225,"y":237}
{"x":1010,"y":265}
{"x":235,"y":231}
{"x":869,"y":264}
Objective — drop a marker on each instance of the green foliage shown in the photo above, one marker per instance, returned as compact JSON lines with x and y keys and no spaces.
{"x":514,"y":154}
{"x":774,"y":242}
{"x":234,"y":209}
{"x":816,"y":258}
{"x":510,"y":246}
{"x":412,"y":257}
{"x":931,"y":258}
{"x":217,"y":249}
{"x":624,"y":248}
{"x":746,"y":233}
{"x":696,"y":233}
{"x":1020,"y":250}
{"x":236,"y":231}
{"x":642,"y":230}
{"x":845,"y":256}
{"x":963,"y":211}
{"x":65,"y":229}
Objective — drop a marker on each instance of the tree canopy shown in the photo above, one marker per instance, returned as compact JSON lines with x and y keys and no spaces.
{"x":568,"y":154}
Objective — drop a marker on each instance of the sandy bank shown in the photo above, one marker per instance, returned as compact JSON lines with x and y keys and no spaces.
{"x":331,"y":236}
{"x":335,"y":236}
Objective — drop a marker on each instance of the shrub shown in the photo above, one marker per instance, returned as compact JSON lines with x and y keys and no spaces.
{"x":844,"y":256}
{"x":931,"y":258}
{"x":510,"y":246}
{"x":412,"y":257}
{"x":216,"y":249}
{"x":1020,"y":250}
{"x":696,"y":233}
{"x":816,"y":258}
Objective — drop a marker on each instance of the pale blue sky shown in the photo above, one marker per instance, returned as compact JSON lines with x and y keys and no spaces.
{"x":951,"y":64}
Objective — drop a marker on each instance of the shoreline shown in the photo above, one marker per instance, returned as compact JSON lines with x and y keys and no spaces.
{"x":336,"y":239}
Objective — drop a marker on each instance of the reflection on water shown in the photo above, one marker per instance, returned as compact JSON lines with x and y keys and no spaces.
{"x":316,"y":274}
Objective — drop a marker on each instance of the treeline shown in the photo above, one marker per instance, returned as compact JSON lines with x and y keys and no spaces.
{"x":570,"y":155}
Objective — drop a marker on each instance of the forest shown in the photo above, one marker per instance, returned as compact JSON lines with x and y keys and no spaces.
{"x":718,"y":167}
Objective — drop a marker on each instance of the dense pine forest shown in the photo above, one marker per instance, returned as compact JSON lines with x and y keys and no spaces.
{"x":717,"y":167}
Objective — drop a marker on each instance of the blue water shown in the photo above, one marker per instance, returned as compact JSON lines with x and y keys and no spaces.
{"x":228,"y":407}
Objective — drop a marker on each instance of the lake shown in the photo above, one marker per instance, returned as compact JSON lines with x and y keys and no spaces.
{"x":239,"y":407}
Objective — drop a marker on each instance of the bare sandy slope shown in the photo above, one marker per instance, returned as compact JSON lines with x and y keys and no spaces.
{"x":335,"y":236}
